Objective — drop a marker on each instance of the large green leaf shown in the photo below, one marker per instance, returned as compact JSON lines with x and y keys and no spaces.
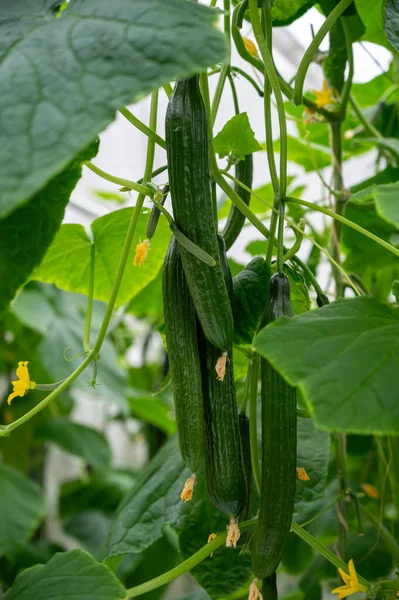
{"x":347,"y":369}
{"x":386,"y":202}
{"x":236,"y":137}
{"x":313,"y":451}
{"x":307,"y":155}
{"x":285,"y":12}
{"x":152,"y":410}
{"x":371,"y":13}
{"x":391,"y":23}
{"x":62,"y":79}
{"x":73,"y":574}
{"x":21,"y":509}
{"x":250,"y":296}
{"x":72,"y":247}
{"x":26,"y":234}
{"x":153,"y":502}
{"x":77,"y":439}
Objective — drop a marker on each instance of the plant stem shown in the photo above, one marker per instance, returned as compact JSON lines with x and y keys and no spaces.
{"x":226,"y":65}
{"x":93,"y":355}
{"x":314,"y":46}
{"x":363,"y":119}
{"x":250,"y":79}
{"x":280,"y":238}
{"x":253,"y":372}
{"x":142,"y":127}
{"x":386,"y":535}
{"x":323,"y":550}
{"x":185,"y":566}
{"x":234,"y":93}
{"x":89,"y":310}
{"x":347,"y":222}
{"x":168,"y":89}
{"x":348,"y":83}
{"x":132,"y":185}
{"x":340,"y":201}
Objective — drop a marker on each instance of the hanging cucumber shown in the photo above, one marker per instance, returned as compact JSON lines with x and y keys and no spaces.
{"x":235,"y":220}
{"x":224,"y":461}
{"x":278,"y":449}
{"x":184,"y":360}
{"x":155,"y":213}
{"x":189,"y":178}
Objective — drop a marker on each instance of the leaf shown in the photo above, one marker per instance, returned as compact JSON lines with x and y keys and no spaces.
{"x":236,"y":137}
{"x":250,"y":297}
{"x":299,"y":295}
{"x":72,"y":247}
{"x":154,"y":411}
{"x":204,"y":519}
{"x":395,"y":290}
{"x":285,"y":12}
{"x":313,"y":452}
{"x":22,"y":507}
{"x":89,"y":528}
{"x":77,"y":439}
{"x":389,"y":143}
{"x":73,"y":574}
{"x":369,"y":93}
{"x":153,"y":502}
{"x":388,"y":175}
{"x":391,"y":23}
{"x":347,"y":369}
{"x":148,"y":303}
{"x":371,"y":13}
{"x":26,"y":234}
{"x":63,"y":79}
{"x":307,"y":155}
{"x":386,"y":202}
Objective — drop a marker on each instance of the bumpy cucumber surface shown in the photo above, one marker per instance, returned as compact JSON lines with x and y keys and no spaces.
{"x":184,"y":359}
{"x":224,"y":459}
{"x":189,"y":178}
{"x":278,"y":449}
{"x":235,"y":220}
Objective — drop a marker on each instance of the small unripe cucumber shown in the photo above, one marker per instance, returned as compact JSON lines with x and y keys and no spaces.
{"x":236,"y":220}
{"x":278,"y":449}
{"x":184,"y":359}
{"x":189,"y":177}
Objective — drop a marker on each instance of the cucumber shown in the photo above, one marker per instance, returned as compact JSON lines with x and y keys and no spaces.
{"x":224,"y":460}
{"x":156,"y":213}
{"x":278,"y":449}
{"x":189,"y":177}
{"x":184,"y":359}
{"x":235,"y":220}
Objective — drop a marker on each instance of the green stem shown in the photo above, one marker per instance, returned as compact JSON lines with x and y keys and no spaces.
{"x":250,"y":79}
{"x":226,"y":64}
{"x":298,"y":242}
{"x":323,"y":510}
{"x":253,"y":372}
{"x":143,"y":127}
{"x":347,"y":222}
{"x":131,"y":185}
{"x":386,"y":535}
{"x":363,"y":119}
{"x":93,"y":355}
{"x":89,"y":310}
{"x":323,"y":550}
{"x":314,"y":46}
{"x":271,"y":75}
{"x":168,"y":89}
{"x":185,"y":566}
{"x":280,"y":238}
{"x":234,"y":94}
{"x":348,"y":83}
{"x":340,"y":201}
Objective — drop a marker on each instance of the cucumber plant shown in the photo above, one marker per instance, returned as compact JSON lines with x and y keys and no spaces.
{"x":244,"y":429}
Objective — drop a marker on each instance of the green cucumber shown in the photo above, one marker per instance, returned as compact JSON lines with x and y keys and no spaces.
{"x":189,"y":177}
{"x":156,"y":213}
{"x":235,"y":220}
{"x":184,"y":359}
{"x":278,"y":449}
{"x":224,"y":461}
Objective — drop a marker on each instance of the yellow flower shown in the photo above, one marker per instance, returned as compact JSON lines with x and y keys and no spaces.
{"x":370,"y":490}
{"x":23,"y":383}
{"x":302,"y":474}
{"x":141,"y":253}
{"x":325,"y":97}
{"x":352,"y":585}
{"x":250,"y":47}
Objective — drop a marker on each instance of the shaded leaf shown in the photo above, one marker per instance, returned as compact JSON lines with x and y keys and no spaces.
{"x":299,"y":295}
{"x":115,"y":53}
{"x":386,"y":202}
{"x":153,"y":502}
{"x":391,"y":23}
{"x":154,"y":411}
{"x":72,"y":246}
{"x":371,"y":13}
{"x":236,"y":137}
{"x":347,"y":369}
{"x":22,"y":508}
{"x":80,"y":440}
{"x":307,"y":155}
{"x":26,"y":234}
{"x":250,"y":296}
{"x":74,"y":574}
{"x":395,"y":290}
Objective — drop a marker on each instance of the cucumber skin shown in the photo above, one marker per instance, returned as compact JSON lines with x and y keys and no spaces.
{"x":224,"y":459}
{"x":189,"y":177}
{"x":279,"y":438}
{"x":184,"y":359}
{"x":236,"y":220}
